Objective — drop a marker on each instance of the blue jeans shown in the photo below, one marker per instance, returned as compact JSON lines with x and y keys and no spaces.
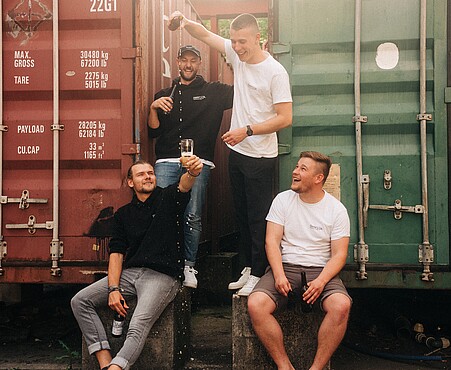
{"x":168,"y":173}
{"x":153,"y":290}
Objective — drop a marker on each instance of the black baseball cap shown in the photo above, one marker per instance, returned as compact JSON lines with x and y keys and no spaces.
{"x":190,"y":48}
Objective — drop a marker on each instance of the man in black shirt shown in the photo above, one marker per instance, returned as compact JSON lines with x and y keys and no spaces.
{"x":146,"y":262}
{"x":190,"y":109}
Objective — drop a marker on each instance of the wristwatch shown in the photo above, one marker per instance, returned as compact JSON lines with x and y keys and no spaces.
{"x":249,"y":131}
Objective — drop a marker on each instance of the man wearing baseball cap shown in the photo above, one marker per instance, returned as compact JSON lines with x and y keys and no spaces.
{"x":190,"y":109}
{"x":190,"y":48}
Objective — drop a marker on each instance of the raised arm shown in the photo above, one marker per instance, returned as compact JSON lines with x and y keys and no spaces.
{"x":199,"y":32}
{"x":193,"y":169}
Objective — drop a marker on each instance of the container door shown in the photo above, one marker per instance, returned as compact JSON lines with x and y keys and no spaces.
{"x":316,"y":43}
{"x":94,"y":143}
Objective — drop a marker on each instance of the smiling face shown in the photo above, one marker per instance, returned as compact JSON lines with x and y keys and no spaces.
{"x":143,"y":180}
{"x":306,"y":176}
{"x":188,"y":64}
{"x":246,"y":43}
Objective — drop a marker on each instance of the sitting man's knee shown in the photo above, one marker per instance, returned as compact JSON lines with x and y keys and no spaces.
{"x":339,"y":304}
{"x":259,"y":303}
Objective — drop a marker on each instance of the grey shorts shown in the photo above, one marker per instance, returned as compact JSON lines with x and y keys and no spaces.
{"x":293,"y":274}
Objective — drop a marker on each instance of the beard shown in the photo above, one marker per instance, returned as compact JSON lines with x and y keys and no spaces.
{"x":188,"y":78}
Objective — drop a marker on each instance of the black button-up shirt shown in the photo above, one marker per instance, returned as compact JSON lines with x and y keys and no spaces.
{"x":150,"y":233}
{"x":196,"y":114}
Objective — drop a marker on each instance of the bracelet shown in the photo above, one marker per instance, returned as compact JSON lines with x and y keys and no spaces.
{"x":114,"y":288}
{"x":189,"y":173}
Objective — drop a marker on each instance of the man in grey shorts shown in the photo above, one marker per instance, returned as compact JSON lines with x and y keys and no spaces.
{"x":307,"y":230}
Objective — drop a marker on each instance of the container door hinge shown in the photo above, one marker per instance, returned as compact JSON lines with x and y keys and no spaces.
{"x":132,"y":53}
{"x":24,"y":201}
{"x":32,"y":225}
{"x":426,"y":257}
{"x":56,"y":252}
{"x":131,"y":149}
{"x":3,"y":253}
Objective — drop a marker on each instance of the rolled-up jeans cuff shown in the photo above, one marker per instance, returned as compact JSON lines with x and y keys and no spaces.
{"x":121,"y":362}
{"x":95,"y":347}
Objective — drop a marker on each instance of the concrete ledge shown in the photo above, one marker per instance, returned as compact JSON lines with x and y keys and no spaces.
{"x":168,"y":343}
{"x":300,"y":337}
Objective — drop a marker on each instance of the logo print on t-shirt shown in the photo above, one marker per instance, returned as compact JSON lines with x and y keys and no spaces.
{"x":317,"y":228}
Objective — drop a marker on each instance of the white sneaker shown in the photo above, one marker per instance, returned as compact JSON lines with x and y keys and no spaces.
{"x":249,"y":286}
{"x":190,"y":277}
{"x":242,"y":280}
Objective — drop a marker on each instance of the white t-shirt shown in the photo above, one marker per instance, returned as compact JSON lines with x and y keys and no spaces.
{"x":308,"y":228}
{"x":257,"y":87}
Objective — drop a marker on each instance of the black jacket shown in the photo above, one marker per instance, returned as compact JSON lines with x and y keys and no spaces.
{"x":150,"y":233}
{"x":196,"y":114}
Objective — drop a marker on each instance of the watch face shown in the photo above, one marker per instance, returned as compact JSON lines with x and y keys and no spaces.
{"x":249,"y":131}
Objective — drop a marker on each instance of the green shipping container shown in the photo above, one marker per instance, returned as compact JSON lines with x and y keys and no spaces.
{"x":368,"y":81}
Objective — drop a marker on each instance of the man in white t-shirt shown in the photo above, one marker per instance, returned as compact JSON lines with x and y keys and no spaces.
{"x":308,"y":230}
{"x":262,"y":105}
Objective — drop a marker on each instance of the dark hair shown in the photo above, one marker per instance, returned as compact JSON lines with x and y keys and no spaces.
{"x":130,"y":172}
{"x":324,"y":161}
{"x":243,"y":21}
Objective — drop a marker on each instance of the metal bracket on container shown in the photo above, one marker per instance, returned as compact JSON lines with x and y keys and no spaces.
{"x":3,"y":253}
{"x":398,"y":209}
{"x":24,"y":201}
{"x":363,"y":119}
{"x":424,"y":117}
{"x":132,"y":53}
{"x":284,"y":149}
{"x":130,"y":149}
{"x":3,"y":128}
{"x":387,"y":179}
{"x":55,"y":127}
{"x":280,"y":48}
{"x":56,"y":252}
{"x":361,"y":255}
{"x":31,"y":225}
{"x":426,"y":257}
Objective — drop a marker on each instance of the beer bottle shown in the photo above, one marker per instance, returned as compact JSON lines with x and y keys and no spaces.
{"x":305,"y":307}
{"x":118,"y":323}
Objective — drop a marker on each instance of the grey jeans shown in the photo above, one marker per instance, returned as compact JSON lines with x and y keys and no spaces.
{"x":153,"y":290}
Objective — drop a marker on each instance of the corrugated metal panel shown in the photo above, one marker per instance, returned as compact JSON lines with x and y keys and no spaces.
{"x":96,"y":110}
{"x":113,"y":56}
{"x":317,"y":48}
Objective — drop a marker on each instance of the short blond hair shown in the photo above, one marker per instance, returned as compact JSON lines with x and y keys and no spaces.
{"x":244,"y":20}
